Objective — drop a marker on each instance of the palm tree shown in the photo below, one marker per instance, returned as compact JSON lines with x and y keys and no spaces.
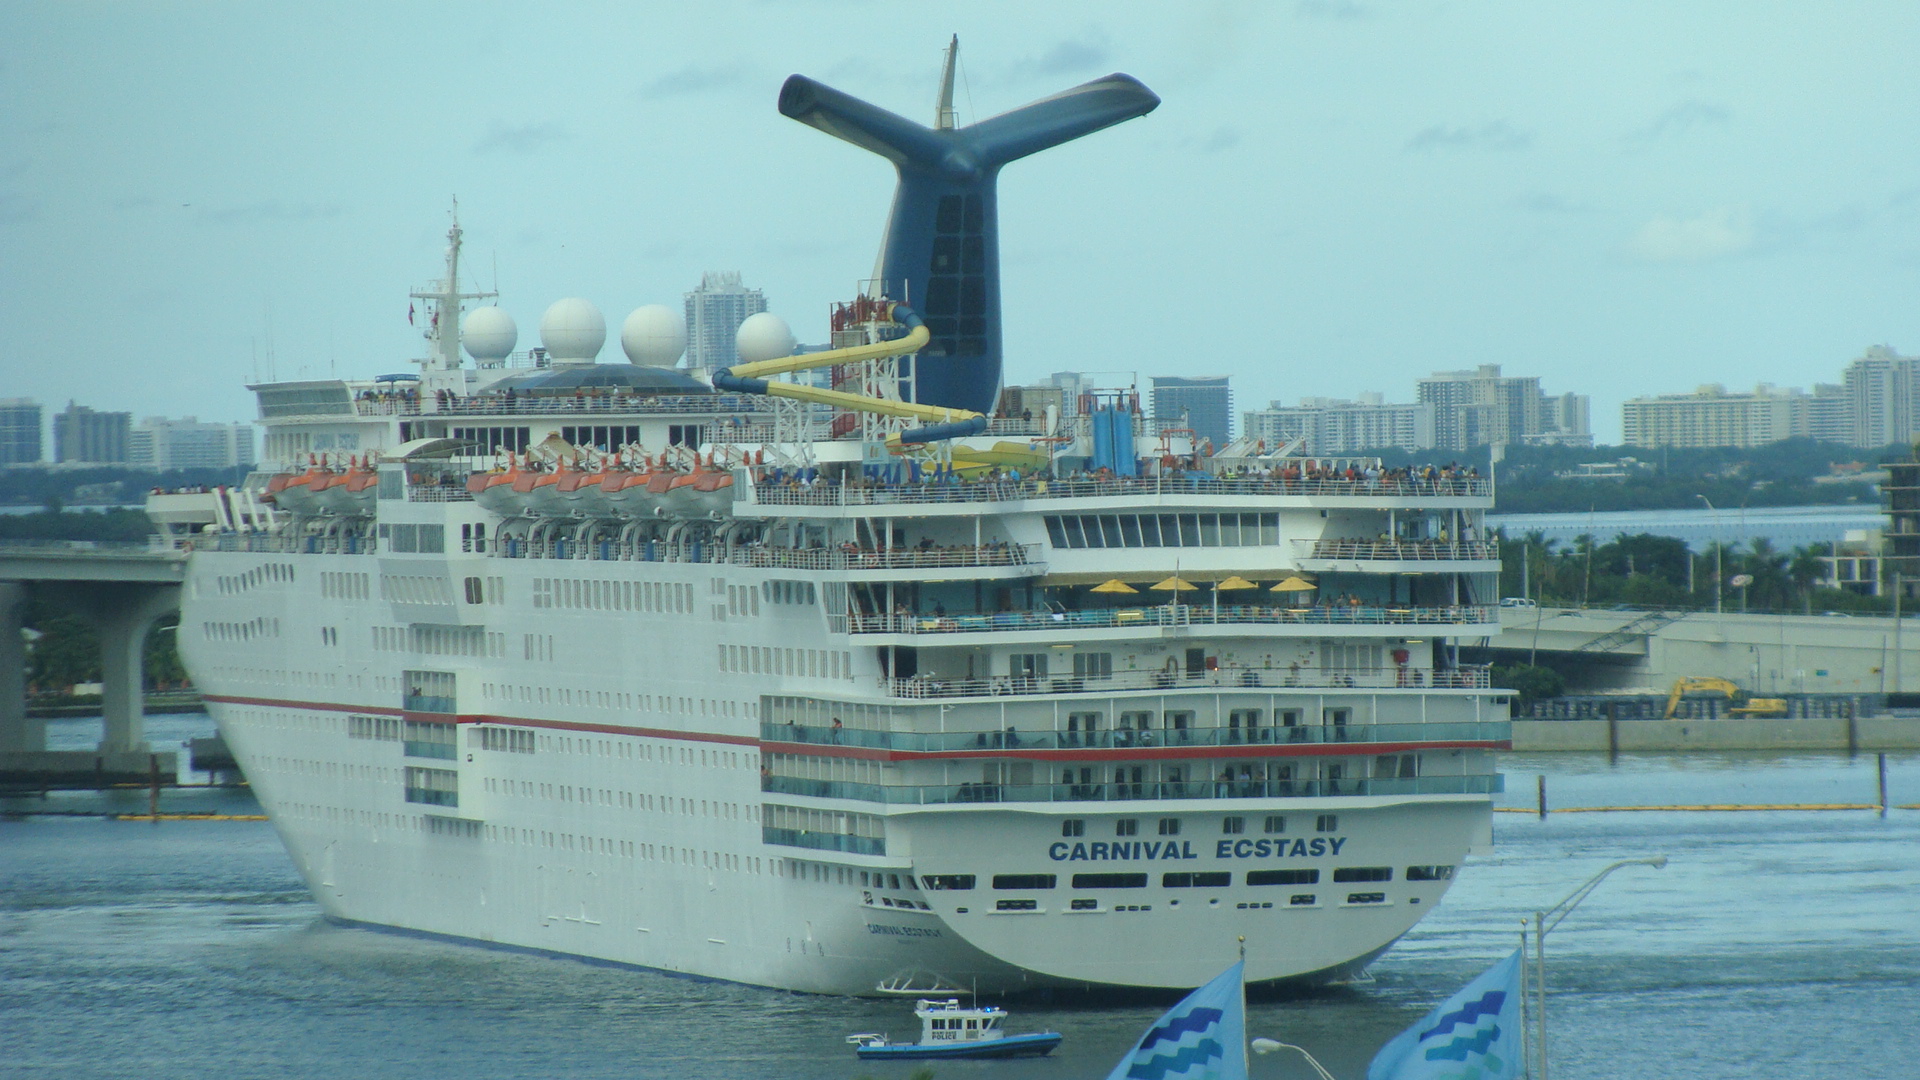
{"x":1769,"y":570}
{"x":1807,"y":567}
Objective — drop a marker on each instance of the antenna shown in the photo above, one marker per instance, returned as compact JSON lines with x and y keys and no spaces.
{"x":944,"y":117}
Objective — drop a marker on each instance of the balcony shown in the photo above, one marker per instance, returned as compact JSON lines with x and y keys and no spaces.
{"x":942,"y":794}
{"x":1398,"y":550}
{"x":932,"y":742}
{"x":1004,"y":490}
{"x":1166,"y":615}
{"x":931,"y":558}
{"x":1466,"y":677}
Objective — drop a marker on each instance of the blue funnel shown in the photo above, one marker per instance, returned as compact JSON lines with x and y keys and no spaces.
{"x":942,"y":249}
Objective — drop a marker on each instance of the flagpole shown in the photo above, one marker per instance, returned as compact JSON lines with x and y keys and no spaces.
{"x":1246,"y":1063}
{"x":1526,"y":1034}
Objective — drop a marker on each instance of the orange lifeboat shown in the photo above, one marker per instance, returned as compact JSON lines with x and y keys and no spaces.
{"x":495,"y":490}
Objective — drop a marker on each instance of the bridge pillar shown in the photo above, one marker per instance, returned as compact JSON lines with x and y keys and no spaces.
{"x":18,"y":731}
{"x":120,"y":613}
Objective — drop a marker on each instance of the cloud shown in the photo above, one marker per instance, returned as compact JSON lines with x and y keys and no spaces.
{"x":1719,"y":233}
{"x":693,"y":80}
{"x":1681,"y":119}
{"x":1087,"y":52}
{"x":1224,"y":138}
{"x":271,"y":210}
{"x":1332,"y":9}
{"x":522,"y":139}
{"x":1495,"y":136}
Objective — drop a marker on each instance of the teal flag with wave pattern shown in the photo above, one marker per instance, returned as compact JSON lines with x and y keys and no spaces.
{"x":1202,"y":1038}
{"x":1473,"y":1035}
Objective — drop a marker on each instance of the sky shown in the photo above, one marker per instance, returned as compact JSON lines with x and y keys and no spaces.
{"x":1335,"y":197}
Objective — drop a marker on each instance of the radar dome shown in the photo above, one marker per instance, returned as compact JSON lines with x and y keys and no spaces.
{"x":573,"y":331}
{"x":654,"y":336}
{"x":764,"y":337}
{"x":488,"y":334}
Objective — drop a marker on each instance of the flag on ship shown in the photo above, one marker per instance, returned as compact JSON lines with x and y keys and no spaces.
{"x":1202,"y":1038}
{"x":1473,"y":1035}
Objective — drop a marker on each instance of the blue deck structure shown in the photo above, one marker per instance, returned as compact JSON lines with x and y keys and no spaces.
{"x":942,"y":250}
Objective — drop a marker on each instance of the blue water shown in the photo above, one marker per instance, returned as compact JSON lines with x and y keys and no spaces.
{"x":1775,"y":944}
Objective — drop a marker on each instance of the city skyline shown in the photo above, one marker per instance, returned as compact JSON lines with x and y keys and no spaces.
{"x":1603,"y":197}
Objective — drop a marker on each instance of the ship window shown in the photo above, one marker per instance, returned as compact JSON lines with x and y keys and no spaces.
{"x":1366,"y":898}
{"x":1275,"y":824}
{"x":1016,"y":905}
{"x":1109,"y":881}
{"x":1023,"y":881}
{"x":1093,"y":665}
{"x":1085,"y":905}
{"x":1429,"y":873}
{"x":1169,"y":826}
{"x":1126,"y":827}
{"x":1233,"y":826}
{"x":1283,"y":877}
{"x":1056,"y":533}
{"x":1073,"y":827}
{"x":1210,"y":879}
{"x":1363,"y":873}
{"x":939,"y":882}
{"x":1301,"y":900}
{"x":1326,"y":823}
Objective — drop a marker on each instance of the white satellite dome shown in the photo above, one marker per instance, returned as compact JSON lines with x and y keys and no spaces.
{"x":573,"y":331}
{"x":488,"y":334}
{"x":764,"y":337}
{"x":654,"y":336}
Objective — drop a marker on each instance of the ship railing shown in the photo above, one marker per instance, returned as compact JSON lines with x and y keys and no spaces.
{"x":1398,"y":550}
{"x":1009,"y":490}
{"x":1465,"y":677}
{"x":1223,"y":788}
{"x":896,"y":559}
{"x":529,"y":404}
{"x":1172,"y":615}
{"x":282,"y":543}
{"x":1358,"y":735}
{"x":824,"y":841}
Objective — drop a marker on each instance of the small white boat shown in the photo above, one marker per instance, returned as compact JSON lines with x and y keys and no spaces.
{"x":949,"y":1031}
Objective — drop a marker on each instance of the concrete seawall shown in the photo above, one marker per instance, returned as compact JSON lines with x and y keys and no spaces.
{"x":1637,"y":736}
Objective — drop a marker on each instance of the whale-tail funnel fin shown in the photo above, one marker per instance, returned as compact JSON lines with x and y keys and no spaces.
{"x":941,"y":252}
{"x":868,"y":127}
{"x":1063,"y":117}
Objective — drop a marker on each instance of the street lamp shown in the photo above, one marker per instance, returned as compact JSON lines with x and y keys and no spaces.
{"x":1268,"y":1046}
{"x":1719,"y":545}
{"x":1543,"y":924}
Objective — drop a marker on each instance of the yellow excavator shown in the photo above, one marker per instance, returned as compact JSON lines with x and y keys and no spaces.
{"x":1743,"y":705}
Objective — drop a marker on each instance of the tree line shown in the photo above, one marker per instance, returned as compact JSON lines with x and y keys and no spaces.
{"x":1646,"y":570}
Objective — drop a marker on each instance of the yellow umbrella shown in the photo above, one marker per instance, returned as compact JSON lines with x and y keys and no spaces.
{"x":1114,"y":585}
{"x":1233,"y":583}
{"x":1175,"y":584}
{"x":1294,"y":584}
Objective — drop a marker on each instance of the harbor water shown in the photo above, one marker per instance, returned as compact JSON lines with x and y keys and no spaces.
{"x":1775,"y":944}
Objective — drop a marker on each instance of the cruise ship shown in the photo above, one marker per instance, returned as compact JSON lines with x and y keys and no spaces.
{"x":822,"y":672}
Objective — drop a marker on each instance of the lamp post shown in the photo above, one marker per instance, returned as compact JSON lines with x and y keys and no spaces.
{"x":1268,"y":1046}
{"x":1543,"y":924}
{"x":1719,"y":546}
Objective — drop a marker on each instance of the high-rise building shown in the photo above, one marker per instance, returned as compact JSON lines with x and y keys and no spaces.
{"x":1482,"y":407}
{"x":1830,"y":414}
{"x":1568,"y":419}
{"x":1336,"y":426}
{"x":160,"y":443}
{"x":715,"y":311}
{"x":19,"y":431}
{"x":1201,"y":402}
{"x":1880,"y":390}
{"x":80,"y":434}
{"x":1710,"y":416}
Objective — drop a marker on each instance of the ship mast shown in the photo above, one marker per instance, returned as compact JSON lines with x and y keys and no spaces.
{"x":443,"y":305}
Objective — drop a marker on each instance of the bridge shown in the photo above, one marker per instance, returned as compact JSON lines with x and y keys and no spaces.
{"x":1766,"y":654}
{"x":117,"y":589}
